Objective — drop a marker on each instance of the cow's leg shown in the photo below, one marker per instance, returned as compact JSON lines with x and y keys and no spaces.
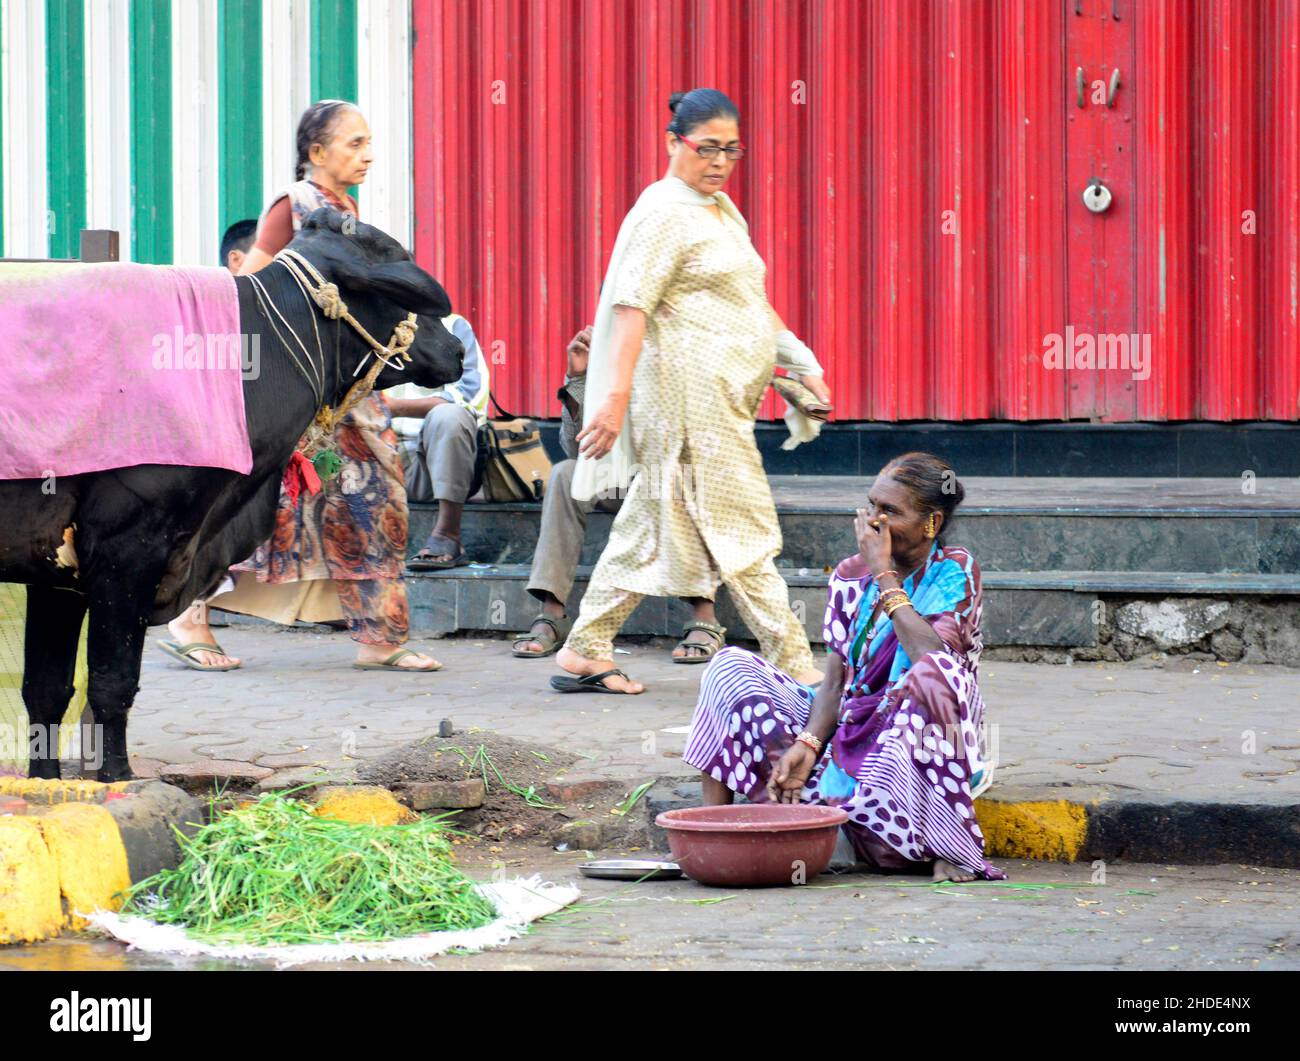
{"x":119,"y":617}
{"x":49,"y":665}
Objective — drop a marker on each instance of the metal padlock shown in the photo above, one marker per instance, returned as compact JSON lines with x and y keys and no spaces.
{"x":1097,"y":197}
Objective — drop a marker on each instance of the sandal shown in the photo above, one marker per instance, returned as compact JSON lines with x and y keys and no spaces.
{"x":591,"y":683}
{"x":391,"y":663}
{"x":704,"y":650}
{"x":448,"y":554}
{"x":185,"y":654}
{"x":551,"y":637}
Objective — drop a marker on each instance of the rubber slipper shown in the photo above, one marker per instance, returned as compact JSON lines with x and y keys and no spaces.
{"x":551,"y":643}
{"x":427,"y":559}
{"x":185,"y":654}
{"x":391,"y":664}
{"x":591,"y":683}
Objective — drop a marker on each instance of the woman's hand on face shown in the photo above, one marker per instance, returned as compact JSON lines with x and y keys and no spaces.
{"x":791,"y":773}
{"x":817,"y":384}
{"x":875,"y":543}
{"x":579,"y":351}
{"x":598,"y":437}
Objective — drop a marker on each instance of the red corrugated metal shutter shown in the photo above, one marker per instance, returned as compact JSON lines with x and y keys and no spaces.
{"x":914,"y":186}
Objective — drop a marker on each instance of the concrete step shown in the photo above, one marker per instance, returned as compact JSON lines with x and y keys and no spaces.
{"x":1030,"y":450}
{"x":1025,"y":608}
{"x":1172,"y":526}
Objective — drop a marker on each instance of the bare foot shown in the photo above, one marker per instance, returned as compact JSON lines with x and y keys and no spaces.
{"x":191,"y":627}
{"x":379,"y":653}
{"x":570,"y":661}
{"x":809,"y":677}
{"x":945,"y":871}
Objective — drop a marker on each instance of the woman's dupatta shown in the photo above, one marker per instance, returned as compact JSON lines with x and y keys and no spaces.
{"x":878,"y":661}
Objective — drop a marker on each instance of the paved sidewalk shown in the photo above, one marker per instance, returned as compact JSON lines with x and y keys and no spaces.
{"x":1050,"y":917}
{"x":1174,"y":731}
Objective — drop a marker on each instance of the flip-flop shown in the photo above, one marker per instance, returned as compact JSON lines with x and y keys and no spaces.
{"x":591,"y":683}
{"x":550,"y":643}
{"x":185,"y":654}
{"x":425,"y":560}
{"x":391,"y":664}
{"x":704,"y":650}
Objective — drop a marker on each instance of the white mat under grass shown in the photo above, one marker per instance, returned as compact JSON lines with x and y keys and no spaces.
{"x":519,"y":902}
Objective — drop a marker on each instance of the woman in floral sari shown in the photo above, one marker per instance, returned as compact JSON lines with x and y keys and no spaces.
{"x":339,"y":553}
{"x":892,"y":735}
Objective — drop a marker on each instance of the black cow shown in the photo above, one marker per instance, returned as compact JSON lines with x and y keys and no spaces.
{"x":150,"y":539}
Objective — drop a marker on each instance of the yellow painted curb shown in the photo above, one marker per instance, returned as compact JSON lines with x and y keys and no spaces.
{"x":362,"y":805}
{"x":37,"y":790}
{"x":63,"y":857}
{"x":87,"y":846}
{"x":1050,"y":831}
{"x":30,"y":909}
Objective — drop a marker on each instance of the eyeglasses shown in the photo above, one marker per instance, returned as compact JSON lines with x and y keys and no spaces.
{"x":710,"y":151}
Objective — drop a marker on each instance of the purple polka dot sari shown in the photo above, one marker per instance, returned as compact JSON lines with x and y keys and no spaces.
{"x":906,"y":751}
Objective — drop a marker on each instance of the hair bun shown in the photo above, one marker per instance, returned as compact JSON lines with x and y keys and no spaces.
{"x":674,"y":100}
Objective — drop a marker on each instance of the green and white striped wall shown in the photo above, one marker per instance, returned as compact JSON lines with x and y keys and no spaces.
{"x":169,"y":119}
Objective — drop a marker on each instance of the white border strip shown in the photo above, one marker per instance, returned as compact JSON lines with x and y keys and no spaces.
{"x":22,"y":95}
{"x":108,"y":118}
{"x":519,"y":902}
{"x":286,"y":88}
{"x":384,"y":96}
{"x":196,"y":154}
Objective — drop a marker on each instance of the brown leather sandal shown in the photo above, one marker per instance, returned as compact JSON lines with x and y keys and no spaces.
{"x":703,"y":650}
{"x":551,"y":638}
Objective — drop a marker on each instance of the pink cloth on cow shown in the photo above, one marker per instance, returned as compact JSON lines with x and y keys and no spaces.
{"x":108,"y":366}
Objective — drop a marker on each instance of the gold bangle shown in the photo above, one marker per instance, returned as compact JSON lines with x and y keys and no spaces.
{"x":894,"y":605}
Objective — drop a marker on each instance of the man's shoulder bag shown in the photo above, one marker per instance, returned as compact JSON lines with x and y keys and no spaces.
{"x":515,"y":464}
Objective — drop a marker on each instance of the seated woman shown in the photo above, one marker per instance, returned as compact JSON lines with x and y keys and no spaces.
{"x":892,"y":735}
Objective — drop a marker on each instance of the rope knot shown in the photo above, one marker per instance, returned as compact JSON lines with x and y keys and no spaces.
{"x":404,"y":336}
{"x":328,"y":299}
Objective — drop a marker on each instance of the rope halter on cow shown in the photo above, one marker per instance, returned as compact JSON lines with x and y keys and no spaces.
{"x":393,"y":355}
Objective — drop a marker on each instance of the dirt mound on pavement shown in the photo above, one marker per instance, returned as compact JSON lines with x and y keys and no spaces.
{"x":514,"y":773}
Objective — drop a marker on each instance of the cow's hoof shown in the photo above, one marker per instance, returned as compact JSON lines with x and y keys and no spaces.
{"x":114,"y":770}
{"x":44,"y":769}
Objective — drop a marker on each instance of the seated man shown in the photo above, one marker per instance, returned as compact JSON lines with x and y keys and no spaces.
{"x":559,"y":542}
{"x":438,"y":430}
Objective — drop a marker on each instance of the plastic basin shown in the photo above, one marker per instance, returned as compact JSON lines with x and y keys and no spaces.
{"x":752,"y":845}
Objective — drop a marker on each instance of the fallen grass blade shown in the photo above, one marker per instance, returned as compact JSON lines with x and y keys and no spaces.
{"x":633,"y":798}
{"x":483,"y":762}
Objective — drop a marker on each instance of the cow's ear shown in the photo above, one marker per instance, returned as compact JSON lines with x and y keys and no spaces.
{"x":403,"y":282}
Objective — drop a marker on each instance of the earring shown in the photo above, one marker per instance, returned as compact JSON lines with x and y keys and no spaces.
{"x":929,"y":527}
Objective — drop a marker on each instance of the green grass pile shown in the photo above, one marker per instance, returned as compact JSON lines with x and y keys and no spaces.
{"x":271,"y":872}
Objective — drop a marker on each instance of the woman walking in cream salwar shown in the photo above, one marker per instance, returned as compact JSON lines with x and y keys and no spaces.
{"x":683,"y":348}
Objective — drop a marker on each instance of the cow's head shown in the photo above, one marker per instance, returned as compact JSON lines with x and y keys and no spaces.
{"x":381,"y":285}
